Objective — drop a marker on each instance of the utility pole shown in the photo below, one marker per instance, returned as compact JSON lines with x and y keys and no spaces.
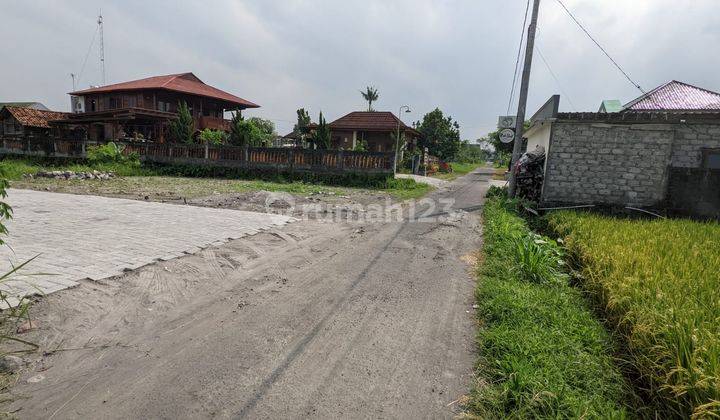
{"x":522,"y":103}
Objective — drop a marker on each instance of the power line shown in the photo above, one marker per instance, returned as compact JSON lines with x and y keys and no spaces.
{"x":82,"y":69}
{"x":517,"y":60}
{"x":552,"y":73}
{"x":600,"y":46}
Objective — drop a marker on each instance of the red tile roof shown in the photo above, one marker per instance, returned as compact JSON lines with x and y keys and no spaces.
{"x":182,"y":82}
{"x":676,"y":96}
{"x":30,"y":117}
{"x":369,"y":121}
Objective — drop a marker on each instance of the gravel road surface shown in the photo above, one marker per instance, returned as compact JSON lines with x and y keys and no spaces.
{"x":316,"y":319}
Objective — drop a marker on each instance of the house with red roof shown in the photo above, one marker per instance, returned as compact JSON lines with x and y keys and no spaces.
{"x":376,"y":129}
{"x":142,"y":108}
{"x":25,"y":121}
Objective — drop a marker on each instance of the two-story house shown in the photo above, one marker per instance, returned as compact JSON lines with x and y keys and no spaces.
{"x":141,"y":109}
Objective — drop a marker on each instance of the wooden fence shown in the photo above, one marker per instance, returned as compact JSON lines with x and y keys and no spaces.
{"x":278,"y":159}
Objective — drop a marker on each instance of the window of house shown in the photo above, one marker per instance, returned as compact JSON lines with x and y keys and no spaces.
{"x":93,"y":105}
{"x":114,"y":103}
{"x":711,"y":158}
{"x":163,"y":106}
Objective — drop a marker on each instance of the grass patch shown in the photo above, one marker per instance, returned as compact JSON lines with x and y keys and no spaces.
{"x":459,"y":169}
{"x":190,"y":182}
{"x":542,"y":352}
{"x":659,"y":283}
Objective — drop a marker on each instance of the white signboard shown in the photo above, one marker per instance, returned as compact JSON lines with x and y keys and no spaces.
{"x":506,"y":121}
{"x":507,"y":135}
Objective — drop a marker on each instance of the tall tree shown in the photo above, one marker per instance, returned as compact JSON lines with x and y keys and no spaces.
{"x":300,"y":129}
{"x":322,"y":134}
{"x":238,"y":130}
{"x":440,"y":134}
{"x":265,"y":131}
{"x":182,"y":128}
{"x":371,"y":95}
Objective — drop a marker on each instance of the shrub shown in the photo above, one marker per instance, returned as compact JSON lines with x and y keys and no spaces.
{"x":213,"y":137}
{"x":110,"y":153}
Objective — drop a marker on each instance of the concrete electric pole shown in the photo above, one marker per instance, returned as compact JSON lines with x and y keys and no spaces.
{"x":522,"y":103}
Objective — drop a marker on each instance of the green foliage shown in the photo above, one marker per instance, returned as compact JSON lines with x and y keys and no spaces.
{"x":502,"y":159}
{"x":440,"y":134}
{"x":470,"y":153}
{"x":263,"y":133}
{"x":5,"y":209}
{"x":183,"y":127}
{"x":213,"y":137}
{"x":322,"y":134}
{"x":111,"y":153}
{"x":360,"y":146}
{"x":542,"y":353}
{"x":253,"y":132}
{"x":657,"y":282}
{"x":370,"y":95}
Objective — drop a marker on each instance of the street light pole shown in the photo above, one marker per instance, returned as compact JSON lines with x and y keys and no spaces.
{"x":522,"y":102}
{"x":397,"y":139}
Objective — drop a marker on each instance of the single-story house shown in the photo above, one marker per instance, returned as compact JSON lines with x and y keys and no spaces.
{"x":33,"y":105}
{"x":377,"y":129}
{"x":660,"y":150}
{"x":142,"y":108}
{"x":16,"y":121}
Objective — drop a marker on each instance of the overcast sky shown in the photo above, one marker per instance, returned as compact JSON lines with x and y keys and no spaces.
{"x":455,"y":55}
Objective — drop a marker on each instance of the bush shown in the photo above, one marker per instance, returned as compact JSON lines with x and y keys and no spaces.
{"x":110,"y":153}
{"x":213,"y":137}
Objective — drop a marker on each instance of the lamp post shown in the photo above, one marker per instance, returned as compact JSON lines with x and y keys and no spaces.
{"x":397,"y":139}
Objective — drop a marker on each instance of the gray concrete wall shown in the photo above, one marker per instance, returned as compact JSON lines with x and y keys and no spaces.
{"x":690,"y":139}
{"x":590,"y":162}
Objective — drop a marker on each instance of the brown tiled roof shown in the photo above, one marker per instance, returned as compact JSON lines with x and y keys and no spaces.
{"x":370,"y":121}
{"x":182,"y":82}
{"x":30,"y":117}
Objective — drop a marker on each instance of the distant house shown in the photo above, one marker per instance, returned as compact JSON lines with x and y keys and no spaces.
{"x":33,"y":105}
{"x":610,"y":105}
{"x":376,"y":129}
{"x":16,"y":121}
{"x":661,"y":150}
{"x":142,"y":108}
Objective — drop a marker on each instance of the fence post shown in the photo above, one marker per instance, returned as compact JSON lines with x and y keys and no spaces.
{"x":340,"y":163}
{"x":82,"y":148}
{"x":291,"y":160}
{"x":207,"y":150}
{"x":246,"y":154}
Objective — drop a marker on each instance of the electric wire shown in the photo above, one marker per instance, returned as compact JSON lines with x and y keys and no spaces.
{"x":600,"y":47}
{"x":552,"y":73}
{"x":92,"y":42}
{"x":517,"y":60}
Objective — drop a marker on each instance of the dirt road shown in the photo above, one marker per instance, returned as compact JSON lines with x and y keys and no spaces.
{"x":318,"y":319}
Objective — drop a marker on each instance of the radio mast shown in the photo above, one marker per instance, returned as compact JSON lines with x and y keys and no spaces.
{"x":102,"y":46}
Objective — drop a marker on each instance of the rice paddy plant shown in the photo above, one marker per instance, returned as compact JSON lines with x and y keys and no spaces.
{"x":659,"y":282}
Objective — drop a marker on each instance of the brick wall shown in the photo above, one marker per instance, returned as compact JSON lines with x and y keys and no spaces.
{"x":591,"y":162}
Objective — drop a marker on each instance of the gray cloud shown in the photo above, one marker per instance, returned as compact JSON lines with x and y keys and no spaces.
{"x":456,"y":55}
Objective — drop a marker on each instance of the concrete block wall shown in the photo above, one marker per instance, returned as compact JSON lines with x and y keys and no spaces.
{"x":622,"y":164}
{"x":690,"y":139}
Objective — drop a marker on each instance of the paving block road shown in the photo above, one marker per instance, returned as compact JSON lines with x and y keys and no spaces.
{"x":79,"y":237}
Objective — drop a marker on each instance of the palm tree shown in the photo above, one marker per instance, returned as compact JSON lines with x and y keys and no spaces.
{"x":370,"y":95}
